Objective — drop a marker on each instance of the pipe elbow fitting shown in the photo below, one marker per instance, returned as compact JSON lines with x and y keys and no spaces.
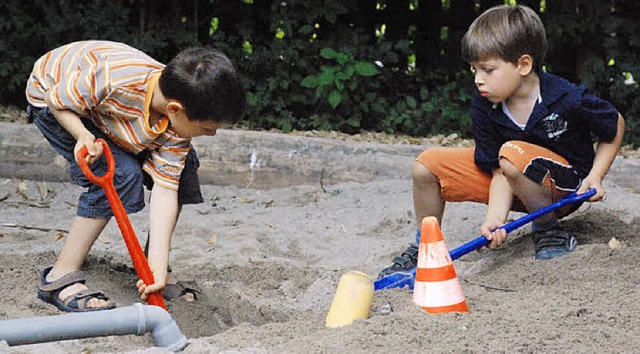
{"x":164,"y":329}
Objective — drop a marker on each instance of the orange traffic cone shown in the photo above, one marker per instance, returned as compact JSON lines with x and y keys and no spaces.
{"x":436,"y":288}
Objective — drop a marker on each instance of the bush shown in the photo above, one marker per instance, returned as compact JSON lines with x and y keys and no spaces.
{"x":335,"y":65}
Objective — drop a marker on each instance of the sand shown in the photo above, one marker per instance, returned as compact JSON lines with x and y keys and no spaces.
{"x":268,"y":263}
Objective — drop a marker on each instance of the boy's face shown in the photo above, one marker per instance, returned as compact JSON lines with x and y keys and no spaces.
{"x":496,"y":79}
{"x":191,"y":128}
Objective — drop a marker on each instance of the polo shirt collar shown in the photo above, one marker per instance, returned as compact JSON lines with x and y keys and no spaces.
{"x":551,"y":90}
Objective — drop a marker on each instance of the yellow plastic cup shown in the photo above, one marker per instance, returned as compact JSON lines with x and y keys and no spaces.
{"x":352,"y":300}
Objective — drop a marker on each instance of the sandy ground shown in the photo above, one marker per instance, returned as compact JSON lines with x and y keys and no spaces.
{"x":268,"y":263}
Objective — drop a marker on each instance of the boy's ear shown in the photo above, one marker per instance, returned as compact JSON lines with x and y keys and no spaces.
{"x":174,"y":107}
{"x":525,"y":64}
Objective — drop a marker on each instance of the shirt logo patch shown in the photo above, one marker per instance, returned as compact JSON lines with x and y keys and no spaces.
{"x":168,"y":169}
{"x":555,"y":126}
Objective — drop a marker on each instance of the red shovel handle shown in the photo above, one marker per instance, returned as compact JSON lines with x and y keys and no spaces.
{"x":106,"y":182}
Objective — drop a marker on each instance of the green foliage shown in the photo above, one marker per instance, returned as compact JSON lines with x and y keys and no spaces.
{"x":441,"y":110}
{"x":333,"y":82}
{"x":32,"y":27}
{"x":309,"y":64}
{"x":599,"y":48}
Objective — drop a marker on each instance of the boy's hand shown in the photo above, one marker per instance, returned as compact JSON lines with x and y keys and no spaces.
{"x":497,"y":237}
{"x":160,"y":281}
{"x":593,"y":182}
{"x":94,"y":148}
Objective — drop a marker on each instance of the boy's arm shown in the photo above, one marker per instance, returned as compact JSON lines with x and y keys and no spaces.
{"x":163,"y":215}
{"x":72,"y":123}
{"x":605,"y":154}
{"x":499,"y":205}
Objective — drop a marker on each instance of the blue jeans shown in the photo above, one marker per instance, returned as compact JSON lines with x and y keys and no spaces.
{"x":129,"y":179}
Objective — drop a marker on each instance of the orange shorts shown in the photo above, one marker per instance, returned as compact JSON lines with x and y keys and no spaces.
{"x":462,"y":181}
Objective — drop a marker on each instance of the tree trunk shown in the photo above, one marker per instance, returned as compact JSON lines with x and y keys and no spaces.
{"x":462,"y":14}
{"x":562,"y":56}
{"x":396,"y":19}
{"x":426,"y":40}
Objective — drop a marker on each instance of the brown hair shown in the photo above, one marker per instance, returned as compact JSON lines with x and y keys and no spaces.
{"x":206,"y":83}
{"x":507,"y":32}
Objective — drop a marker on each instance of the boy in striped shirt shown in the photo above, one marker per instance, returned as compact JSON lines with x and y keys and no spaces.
{"x":148,"y":113}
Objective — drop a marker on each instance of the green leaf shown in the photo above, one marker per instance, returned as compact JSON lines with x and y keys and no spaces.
{"x":273,"y":83}
{"x":306,"y":29}
{"x":411,"y":102}
{"x":252,"y":100}
{"x":310,"y":81}
{"x":366,"y":69}
{"x":424,"y":93}
{"x":353,"y":122}
{"x":246,"y":46}
{"x":342,"y":58}
{"x":286,"y":126}
{"x":325,"y":78}
{"x":428,"y":107}
{"x":335,"y":98}
{"x":340,"y":75}
{"x":213,"y":27}
{"x":331,"y":69}
{"x":349,"y":71}
{"x":328,"y":53}
{"x":377,"y":107}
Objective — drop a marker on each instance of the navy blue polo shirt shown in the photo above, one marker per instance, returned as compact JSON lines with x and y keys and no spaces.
{"x":567,"y":121}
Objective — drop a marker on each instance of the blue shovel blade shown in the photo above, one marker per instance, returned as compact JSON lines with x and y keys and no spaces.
{"x":396,"y":280}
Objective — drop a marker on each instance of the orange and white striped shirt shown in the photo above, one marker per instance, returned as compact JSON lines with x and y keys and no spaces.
{"x":112,"y":84}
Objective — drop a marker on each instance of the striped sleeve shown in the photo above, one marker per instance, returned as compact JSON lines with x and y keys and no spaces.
{"x":167,"y":162}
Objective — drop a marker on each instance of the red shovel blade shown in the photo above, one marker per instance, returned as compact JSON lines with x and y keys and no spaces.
{"x":135,"y":251}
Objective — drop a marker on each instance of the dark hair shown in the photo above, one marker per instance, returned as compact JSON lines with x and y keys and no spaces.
{"x":206,"y":83}
{"x":508,"y":32}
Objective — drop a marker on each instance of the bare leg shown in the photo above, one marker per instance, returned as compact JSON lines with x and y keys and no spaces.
{"x":426,"y":202}
{"x":533,"y":195}
{"x":426,"y":194}
{"x":550,"y":239}
{"x":82,"y":235}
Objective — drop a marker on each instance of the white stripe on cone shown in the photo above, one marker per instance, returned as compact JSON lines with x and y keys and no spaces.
{"x":438,"y":294}
{"x":436,"y":257}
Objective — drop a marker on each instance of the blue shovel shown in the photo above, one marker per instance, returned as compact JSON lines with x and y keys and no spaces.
{"x":402,"y":279}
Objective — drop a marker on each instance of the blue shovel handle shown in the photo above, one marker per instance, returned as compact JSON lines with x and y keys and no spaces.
{"x":402,"y":279}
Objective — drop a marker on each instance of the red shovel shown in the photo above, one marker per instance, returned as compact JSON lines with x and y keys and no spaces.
{"x":106,"y":182}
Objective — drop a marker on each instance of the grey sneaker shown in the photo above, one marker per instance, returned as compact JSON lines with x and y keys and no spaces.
{"x":553,"y":243}
{"x":402,"y":263}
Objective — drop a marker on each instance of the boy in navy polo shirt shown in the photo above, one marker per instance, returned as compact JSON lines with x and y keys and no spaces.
{"x":533,"y":133}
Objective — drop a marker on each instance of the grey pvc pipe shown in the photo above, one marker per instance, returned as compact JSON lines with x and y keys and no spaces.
{"x":137,"y":319}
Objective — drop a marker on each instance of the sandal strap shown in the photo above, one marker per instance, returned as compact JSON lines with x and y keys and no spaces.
{"x":61,"y":283}
{"x":551,"y":242}
{"x":83,"y":296}
{"x":403,"y":262}
{"x":408,"y":258}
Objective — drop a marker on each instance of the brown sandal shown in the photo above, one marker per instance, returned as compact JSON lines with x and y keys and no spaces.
{"x":49,"y":291}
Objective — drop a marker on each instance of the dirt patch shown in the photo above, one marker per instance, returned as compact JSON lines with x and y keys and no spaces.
{"x":268,"y":262}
